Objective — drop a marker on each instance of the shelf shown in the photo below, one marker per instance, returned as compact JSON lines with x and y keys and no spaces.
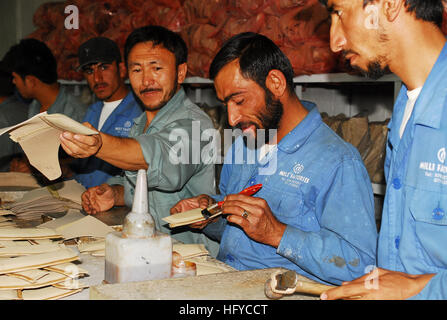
{"x":315,"y":78}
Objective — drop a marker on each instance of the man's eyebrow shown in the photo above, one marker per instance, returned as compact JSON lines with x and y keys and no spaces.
{"x":228,"y":98}
{"x":152,"y":62}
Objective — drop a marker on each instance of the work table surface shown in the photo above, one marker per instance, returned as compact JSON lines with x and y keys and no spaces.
{"x":237,"y":285}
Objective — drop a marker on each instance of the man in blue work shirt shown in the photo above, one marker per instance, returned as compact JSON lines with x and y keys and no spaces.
{"x":315,"y":212}
{"x":404,"y":37}
{"x":101,"y":64}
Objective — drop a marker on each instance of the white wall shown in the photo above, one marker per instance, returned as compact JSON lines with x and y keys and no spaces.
{"x":16,"y":21}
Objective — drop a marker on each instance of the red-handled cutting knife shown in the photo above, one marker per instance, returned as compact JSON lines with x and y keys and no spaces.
{"x":215,"y":208}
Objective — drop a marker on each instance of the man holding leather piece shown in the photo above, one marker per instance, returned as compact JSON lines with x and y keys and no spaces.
{"x":156,"y":61}
{"x":315,"y":211}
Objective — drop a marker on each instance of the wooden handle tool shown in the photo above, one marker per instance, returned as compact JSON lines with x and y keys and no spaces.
{"x":290,"y":282}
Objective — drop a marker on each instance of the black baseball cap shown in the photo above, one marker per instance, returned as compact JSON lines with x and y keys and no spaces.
{"x":98,"y":50}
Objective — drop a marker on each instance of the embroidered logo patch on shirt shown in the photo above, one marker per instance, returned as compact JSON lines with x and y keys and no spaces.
{"x":293,"y":177}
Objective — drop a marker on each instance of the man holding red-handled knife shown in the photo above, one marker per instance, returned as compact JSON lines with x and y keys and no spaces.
{"x":314,"y":213}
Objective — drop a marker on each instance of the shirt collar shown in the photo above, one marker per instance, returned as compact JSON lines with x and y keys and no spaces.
{"x":164,"y":112}
{"x":430,"y":104}
{"x":298,"y":136}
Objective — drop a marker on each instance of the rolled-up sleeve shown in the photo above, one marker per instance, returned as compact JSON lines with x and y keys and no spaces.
{"x":345,"y":246}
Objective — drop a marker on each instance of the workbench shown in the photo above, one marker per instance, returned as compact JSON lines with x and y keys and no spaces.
{"x":237,"y":285}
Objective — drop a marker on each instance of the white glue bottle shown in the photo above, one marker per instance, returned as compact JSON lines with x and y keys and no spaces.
{"x":138,"y":253}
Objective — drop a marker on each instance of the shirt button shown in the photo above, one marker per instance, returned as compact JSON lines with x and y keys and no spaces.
{"x":397,"y":184}
{"x":397,"y":242}
{"x":438,"y":214}
{"x":252,"y":182}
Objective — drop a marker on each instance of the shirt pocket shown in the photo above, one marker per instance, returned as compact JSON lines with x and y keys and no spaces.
{"x":287,"y":206}
{"x":429,"y":212}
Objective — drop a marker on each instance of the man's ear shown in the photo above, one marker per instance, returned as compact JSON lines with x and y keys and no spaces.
{"x":392,"y":8}
{"x":276,"y":83}
{"x":30,"y":81}
{"x":182,"y":70}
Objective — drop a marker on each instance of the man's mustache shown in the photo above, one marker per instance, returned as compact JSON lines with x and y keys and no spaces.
{"x":148,"y":90}
{"x":96,"y":86}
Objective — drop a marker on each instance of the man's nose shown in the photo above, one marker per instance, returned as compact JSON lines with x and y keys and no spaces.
{"x":338,"y":39}
{"x":148,"y":78}
{"x":97,"y":74}
{"x":233,"y":116}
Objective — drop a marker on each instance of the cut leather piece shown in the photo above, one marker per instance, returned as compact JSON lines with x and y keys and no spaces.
{"x":28,"y":233}
{"x":14,"y":251}
{"x":15,"y":243}
{"x":100,"y":253}
{"x":6,"y":212}
{"x":184,"y":218}
{"x":9,"y":295}
{"x":69,"y":269}
{"x":14,"y":265}
{"x":98,"y":245}
{"x":8,"y":283}
{"x":47,"y":293}
{"x":7,"y":224}
{"x":4,"y":219}
{"x":18,"y":179}
{"x":204,"y":266}
{"x":30,"y":275}
{"x":71,"y":284}
{"x":71,"y":216}
{"x":39,"y":139}
{"x":88,"y":226}
{"x":190,"y":250}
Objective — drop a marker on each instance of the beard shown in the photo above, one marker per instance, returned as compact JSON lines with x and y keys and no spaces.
{"x":374,"y":71}
{"x":269,"y":119}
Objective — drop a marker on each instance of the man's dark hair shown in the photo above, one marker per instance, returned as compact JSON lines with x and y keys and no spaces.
{"x":6,"y":85}
{"x":427,"y":10}
{"x":32,"y":57}
{"x":257,"y":55}
{"x":158,"y":36}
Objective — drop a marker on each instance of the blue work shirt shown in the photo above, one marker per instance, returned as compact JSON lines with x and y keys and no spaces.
{"x":316,"y":184}
{"x":93,"y":171}
{"x":414,"y":222}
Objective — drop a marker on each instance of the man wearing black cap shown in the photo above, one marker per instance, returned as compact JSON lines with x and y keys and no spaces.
{"x":100,"y":62}
{"x":12,"y":111}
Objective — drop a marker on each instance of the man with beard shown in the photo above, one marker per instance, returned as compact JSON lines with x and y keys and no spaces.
{"x":315,"y":211}
{"x":404,"y":36}
{"x":102,"y":67}
{"x":156,"y":61}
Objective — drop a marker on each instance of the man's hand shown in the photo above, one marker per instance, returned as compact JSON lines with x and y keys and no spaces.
{"x":260,"y":224}
{"x":80,"y":146}
{"x":203,"y":201}
{"x":99,"y":199}
{"x":381,"y":284}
